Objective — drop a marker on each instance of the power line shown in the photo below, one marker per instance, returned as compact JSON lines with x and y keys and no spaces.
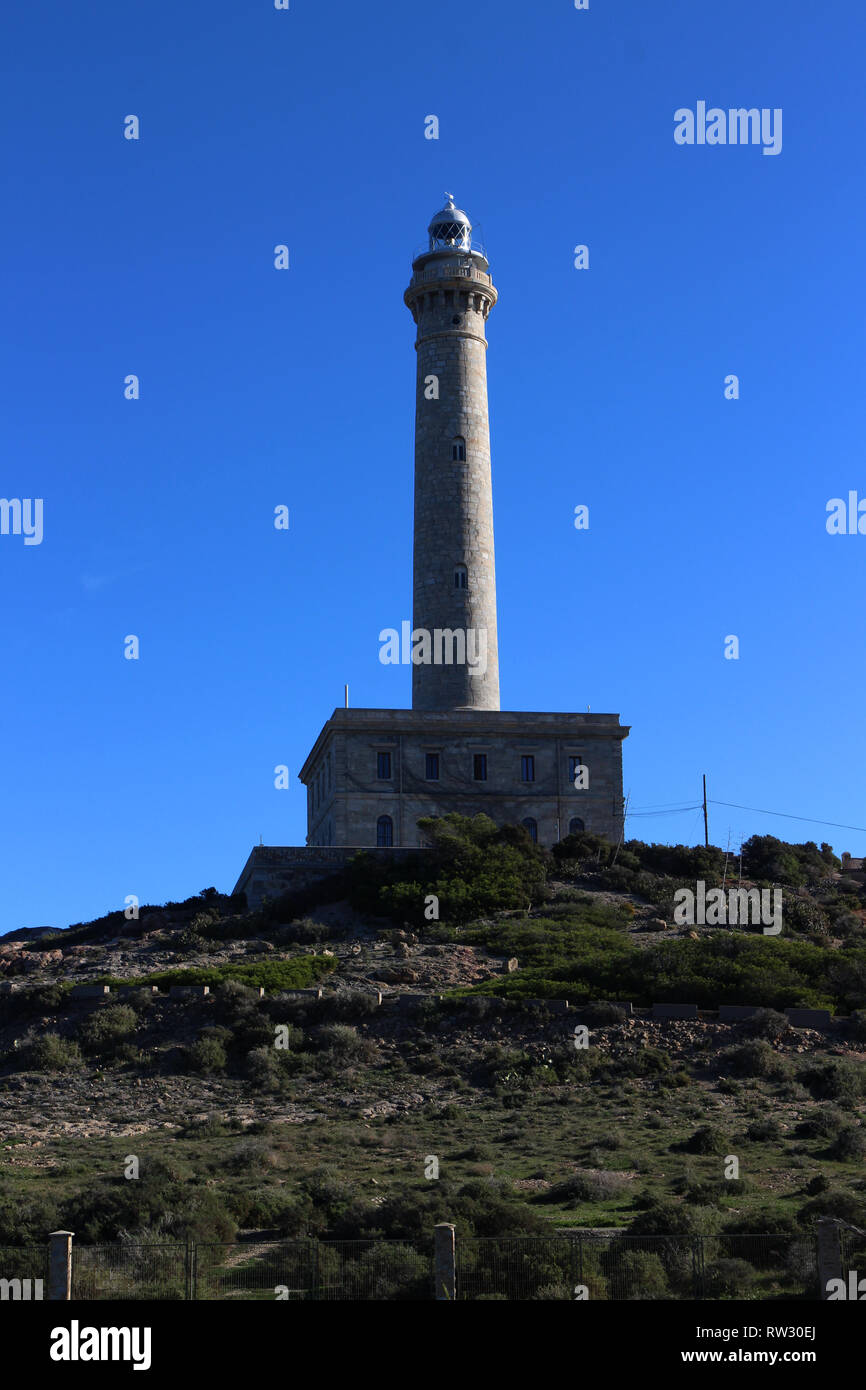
{"x":810,"y":820}
{"x":660,"y":805}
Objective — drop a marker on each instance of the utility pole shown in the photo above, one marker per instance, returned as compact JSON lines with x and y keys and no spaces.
{"x":727,"y":852}
{"x":706,"y":828}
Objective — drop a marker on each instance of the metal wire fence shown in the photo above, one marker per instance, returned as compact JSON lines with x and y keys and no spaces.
{"x":131,"y":1271}
{"x":583,"y":1265}
{"x":335,"y":1270}
{"x":562,"y":1266}
{"x":852,"y":1245}
{"x":289,"y":1270}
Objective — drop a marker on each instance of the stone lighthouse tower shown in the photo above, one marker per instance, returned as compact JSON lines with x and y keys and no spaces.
{"x":374,"y":778}
{"x":454,"y":588}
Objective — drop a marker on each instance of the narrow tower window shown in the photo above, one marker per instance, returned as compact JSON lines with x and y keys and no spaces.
{"x":527,"y":768}
{"x":458,"y":449}
{"x":432,"y":767}
{"x":461,"y":577}
{"x":531,"y":827}
{"x":479,"y":767}
{"x":383,"y":766}
{"x":384,"y":832}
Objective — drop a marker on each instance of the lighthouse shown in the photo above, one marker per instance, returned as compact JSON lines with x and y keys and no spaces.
{"x":374,"y":775}
{"x":450,"y":296}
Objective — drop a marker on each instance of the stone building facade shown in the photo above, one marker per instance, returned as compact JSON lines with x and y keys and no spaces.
{"x":373,"y":774}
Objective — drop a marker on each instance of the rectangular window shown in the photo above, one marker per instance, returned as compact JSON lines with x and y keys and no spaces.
{"x":432,"y":764}
{"x":575,"y":763}
{"x":479,"y":771}
{"x":383,"y":766}
{"x":527,"y":768}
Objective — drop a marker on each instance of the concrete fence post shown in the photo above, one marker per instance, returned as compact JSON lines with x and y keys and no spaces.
{"x":829,"y":1254}
{"x":60,"y":1265}
{"x":444,"y":1261}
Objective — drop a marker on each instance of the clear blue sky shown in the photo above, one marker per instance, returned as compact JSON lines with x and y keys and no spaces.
{"x":260,"y":387}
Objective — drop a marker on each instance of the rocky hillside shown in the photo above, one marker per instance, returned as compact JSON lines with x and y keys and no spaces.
{"x":342,"y":1044}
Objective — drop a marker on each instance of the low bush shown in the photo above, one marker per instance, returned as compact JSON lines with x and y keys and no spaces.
{"x":834,"y":1079}
{"x":344,"y":1043}
{"x":51,"y":1052}
{"x":755,"y":1059}
{"x":824,"y":1122}
{"x":707,"y":1139}
{"x":593,"y":1185}
{"x":730,"y":1278}
{"x":206,"y":1055}
{"x":766,"y":1023}
{"x":763,"y":1130}
{"x":102,"y":1031}
{"x":849,"y":1143}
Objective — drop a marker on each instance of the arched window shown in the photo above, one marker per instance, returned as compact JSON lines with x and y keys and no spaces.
{"x":384,"y":832}
{"x":458,"y":449}
{"x":532,"y":826}
{"x":461,"y":576}
{"x":576,"y":826}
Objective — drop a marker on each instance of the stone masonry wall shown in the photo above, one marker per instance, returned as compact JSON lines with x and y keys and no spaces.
{"x":352,"y":740}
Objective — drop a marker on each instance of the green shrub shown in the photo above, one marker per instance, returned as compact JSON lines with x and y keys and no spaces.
{"x":752,"y":1059}
{"x":770,"y":860}
{"x":156,"y":1204}
{"x":476,"y":1153}
{"x":53,"y":1053}
{"x":582,"y":850}
{"x":26,"y":1219}
{"x":762,"y":1130}
{"x":730,"y":1278}
{"x":105,"y":1029}
{"x":472,"y":866}
{"x":207,"y":1056}
{"x":848,"y":1143}
{"x":844,"y":1206}
{"x":140,"y":1000}
{"x":833,"y":1079}
{"x":820,"y":1183}
{"x":268,"y":1068}
{"x":766,"y":1023}
{"x":666,"y":1218}
{"x":824,"y":1122}
{"x":345,"y":1044}
{"x":706,"y":1140}
{"x":251,"y":1156}
{"x":803,"y":917}
{"x":267,"y":1208}
{"x":594,"y":1185}
{"x":643,"y":1274}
